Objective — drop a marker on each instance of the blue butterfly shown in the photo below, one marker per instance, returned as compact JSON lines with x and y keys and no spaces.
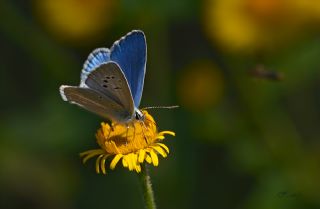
{"x":112,"y":80}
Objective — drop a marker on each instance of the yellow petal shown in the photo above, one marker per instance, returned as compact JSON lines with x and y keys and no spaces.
{"x":160,"y":150}
{"x":103,"y":164}
{"x":154,"y":157}
{"x":148,"y":159}
{"x":142,"y":154}
{"x":164,"y":147}
{"x":115,"y":160}
{"x":135,"y":167}
{"x":98,"y":163}
{"x":135,"y":158}
{"x":89,"y":151}
{"x":124,"y":162}
{"x":167,"y":132}
{"x":131,"y":160}
{"x":91,"y":155}
{"x":160,"y":137}
{"x":105,"y":128}
{"x":128,"y":160}
{"x":138,"y":168}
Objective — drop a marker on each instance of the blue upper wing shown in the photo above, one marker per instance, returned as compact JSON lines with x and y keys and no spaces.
{"x":130,"y":53}
{"x":94,"y":60}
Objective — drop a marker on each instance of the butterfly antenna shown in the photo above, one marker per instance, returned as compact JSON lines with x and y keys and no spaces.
{"x":160,"y":107}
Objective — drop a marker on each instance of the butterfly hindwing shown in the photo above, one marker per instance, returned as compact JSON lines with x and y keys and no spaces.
{"x":95,"y":102}
{"x":109,"y":80}
{"x":94,"y":60}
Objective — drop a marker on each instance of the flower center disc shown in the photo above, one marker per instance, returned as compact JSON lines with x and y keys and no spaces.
{"x":127,"y":138}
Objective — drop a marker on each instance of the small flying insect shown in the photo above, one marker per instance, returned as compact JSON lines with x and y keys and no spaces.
{"x":260,"y":71}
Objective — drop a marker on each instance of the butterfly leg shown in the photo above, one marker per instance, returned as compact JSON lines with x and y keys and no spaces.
{"x":127,"y":131}
{"x":134,"y":131}
{"x":143,"y":126}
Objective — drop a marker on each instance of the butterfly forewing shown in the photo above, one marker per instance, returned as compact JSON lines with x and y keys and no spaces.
{"x":95,"y":102}
{"x":130,"y":52}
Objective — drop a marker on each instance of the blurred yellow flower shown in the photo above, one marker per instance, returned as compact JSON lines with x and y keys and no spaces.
{"x":76,"y":20}
{"x":132,"y":143}
{"x":308,"y":11}
{"x":200,"y":86}
{"x":250,"y":25}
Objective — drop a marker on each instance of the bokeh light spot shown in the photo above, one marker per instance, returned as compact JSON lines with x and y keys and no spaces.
{"x":75,"y":20}
{"x":200,"y":86}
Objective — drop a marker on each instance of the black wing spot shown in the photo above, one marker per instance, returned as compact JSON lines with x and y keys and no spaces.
{"x":106,"y":81}
{"x":108,"y":77}
{"x":105,"y":86}
{"x":117,"y":87}
{"x":112,"y":77}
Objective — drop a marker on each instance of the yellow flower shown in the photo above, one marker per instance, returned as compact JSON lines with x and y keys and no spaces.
{"x":257,"y":25}
{"x":133,"y":143}
{"x":76,"y":21}
{"x":308,"y":11}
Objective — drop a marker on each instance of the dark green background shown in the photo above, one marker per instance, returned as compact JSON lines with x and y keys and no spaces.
{"x":257,"y":147}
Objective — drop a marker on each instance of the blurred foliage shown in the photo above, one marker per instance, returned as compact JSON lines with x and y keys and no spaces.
{"x":242,"y":142}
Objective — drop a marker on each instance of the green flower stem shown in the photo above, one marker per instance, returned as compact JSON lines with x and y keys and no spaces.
{"x":147,"y":188}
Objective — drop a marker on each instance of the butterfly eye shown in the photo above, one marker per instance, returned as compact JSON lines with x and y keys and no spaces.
{"x":139,"y":115}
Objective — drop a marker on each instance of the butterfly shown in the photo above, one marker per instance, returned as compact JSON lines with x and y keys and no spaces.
{"x":111,"y":82}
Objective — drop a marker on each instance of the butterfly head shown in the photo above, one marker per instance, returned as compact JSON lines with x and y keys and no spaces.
{"x":139,"y":115}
